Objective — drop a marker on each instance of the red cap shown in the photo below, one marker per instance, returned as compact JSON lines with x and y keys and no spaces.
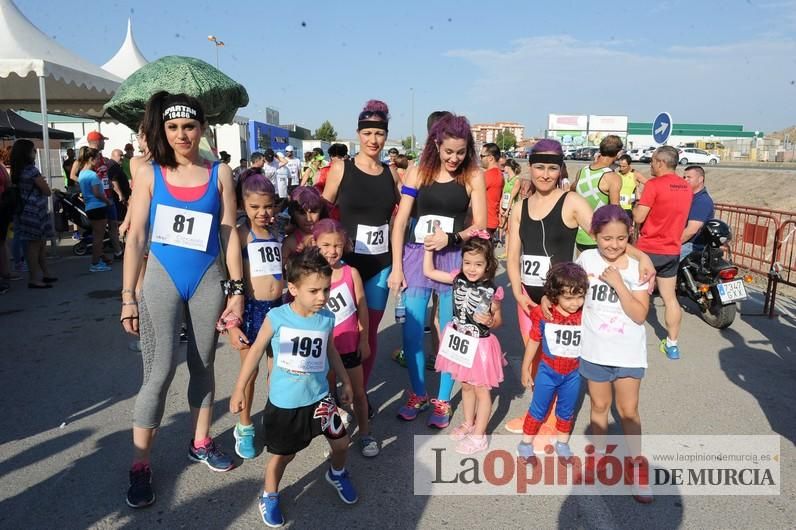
{"x":95,"y":136}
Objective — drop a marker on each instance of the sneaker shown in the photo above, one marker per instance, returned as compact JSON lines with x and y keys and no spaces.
{"x":525,"y":451}
{"x":441,"y":415}
{"x":471,"y":445}
{"x":270,"y":512}
{"x":672,"y":352}
{"x":461,"y":432}
{"x":398,"y":356}
{"x":211,"y":456}
{"x":99,"y":267}
{"x":638,"y":476}
{"x":515,"y":425}
{"x":343,"y":486}
{"x":140,"y":493}
{"x":414,"y":406}
{"x":563,"y":450}
{"x":369,"y":446}
{"x":244,"y":441}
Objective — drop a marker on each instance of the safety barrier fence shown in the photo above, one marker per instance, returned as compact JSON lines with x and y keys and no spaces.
{"x":763,"y":243}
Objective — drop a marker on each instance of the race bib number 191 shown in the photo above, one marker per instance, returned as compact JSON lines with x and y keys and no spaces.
{"x":341,"y":303}
{"x":181,"y":227}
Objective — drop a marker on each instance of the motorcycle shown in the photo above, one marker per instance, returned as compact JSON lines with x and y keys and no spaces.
{"x":707,"y":278}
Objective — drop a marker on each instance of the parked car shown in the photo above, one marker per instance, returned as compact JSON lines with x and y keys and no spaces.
{"x":692,"y":155}
{"x":646,"y":154}
{"x":569,"y":153}
{"x":637,"y":154}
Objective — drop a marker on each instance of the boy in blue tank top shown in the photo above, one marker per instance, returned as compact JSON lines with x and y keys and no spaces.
{"x":299,"y":406}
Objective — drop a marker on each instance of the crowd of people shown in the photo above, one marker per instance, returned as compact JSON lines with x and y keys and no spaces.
{"x":297,"y":264}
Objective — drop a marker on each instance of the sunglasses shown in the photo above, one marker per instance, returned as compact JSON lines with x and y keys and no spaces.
{"x":368,"y":114}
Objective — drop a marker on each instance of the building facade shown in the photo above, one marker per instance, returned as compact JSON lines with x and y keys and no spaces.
{"x":487,"y":132}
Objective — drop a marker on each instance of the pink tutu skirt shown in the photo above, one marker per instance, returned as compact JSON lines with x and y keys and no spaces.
{"x":487,"y":369}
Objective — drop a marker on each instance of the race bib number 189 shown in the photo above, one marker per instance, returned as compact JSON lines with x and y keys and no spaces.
{"x":265,"y":258}
{"x":181,"y":227}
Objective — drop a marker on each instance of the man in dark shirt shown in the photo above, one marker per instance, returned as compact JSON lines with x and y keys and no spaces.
{"x":67,"y":165}
{"x":701,"y":210}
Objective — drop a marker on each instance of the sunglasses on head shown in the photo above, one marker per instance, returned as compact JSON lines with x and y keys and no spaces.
{"x":368,"y":114}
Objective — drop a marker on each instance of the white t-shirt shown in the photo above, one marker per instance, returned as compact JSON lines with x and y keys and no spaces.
{"x":269,"y":170}
{"x":294,"y":167}
{"x":610,"y":338}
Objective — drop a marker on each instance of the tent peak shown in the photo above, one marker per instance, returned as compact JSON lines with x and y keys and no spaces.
{"x":129,"y":57}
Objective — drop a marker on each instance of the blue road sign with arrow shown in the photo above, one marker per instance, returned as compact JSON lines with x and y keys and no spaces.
{"x":662,"y":128}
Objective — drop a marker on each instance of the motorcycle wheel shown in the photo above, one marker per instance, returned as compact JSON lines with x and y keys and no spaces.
{"x":79,"y":249}
{"x":717,"y":315}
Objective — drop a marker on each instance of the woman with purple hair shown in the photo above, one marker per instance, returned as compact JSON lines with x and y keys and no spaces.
{"x":435,"y":200}
{"x":542,"y":233}
{"x":365,"y":191}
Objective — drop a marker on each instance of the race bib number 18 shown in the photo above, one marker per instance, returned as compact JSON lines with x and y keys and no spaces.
{"x":372,"y":240}
{"x":181,"y":227}
{"x":302,"y":350}
{"x":458,"y":347}
{"x":428,"y":224}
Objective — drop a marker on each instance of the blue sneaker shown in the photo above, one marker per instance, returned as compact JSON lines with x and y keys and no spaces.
{"x":270,"y":512}
{"x":672,"y":352}
{"x":100,"y":267}
{"x":343,"y":486}
{"x":414,"y":406}
{"x":563,"y":450}
{"x":525,"y":451}
{"x":211,"y":456}
{"x":244,"y":441}
{"x":440,"y":417}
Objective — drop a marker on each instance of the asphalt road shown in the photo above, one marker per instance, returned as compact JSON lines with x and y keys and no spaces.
{"x":69,"y":382}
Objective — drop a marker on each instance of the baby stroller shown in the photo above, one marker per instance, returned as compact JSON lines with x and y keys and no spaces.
{"x":70,"y":208}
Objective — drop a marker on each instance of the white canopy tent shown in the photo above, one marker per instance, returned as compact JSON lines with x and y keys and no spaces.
{"x":128,"y":59}
{"x":37,"y":73}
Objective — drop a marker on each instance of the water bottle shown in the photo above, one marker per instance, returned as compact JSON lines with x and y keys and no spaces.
{"x":484,"y":306}
{"x":400,"y":309}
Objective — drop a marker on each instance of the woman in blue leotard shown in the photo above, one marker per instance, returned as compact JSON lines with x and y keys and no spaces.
{"x":186,"y":206}
{"x":435,"y":199}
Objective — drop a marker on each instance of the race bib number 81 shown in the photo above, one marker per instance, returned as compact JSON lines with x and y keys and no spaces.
{"x":181,"y":227}
{"x":302,"y":350}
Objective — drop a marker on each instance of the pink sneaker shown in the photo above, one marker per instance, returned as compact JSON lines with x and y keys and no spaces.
{"x":440,"y":417}
{"x":461,"y":432}
{"x":471,"y":445}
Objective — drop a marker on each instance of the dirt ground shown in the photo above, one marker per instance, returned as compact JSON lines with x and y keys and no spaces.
{"x":760,"y":187}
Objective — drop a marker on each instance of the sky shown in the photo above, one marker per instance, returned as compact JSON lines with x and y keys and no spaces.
{"x":703,"y":61}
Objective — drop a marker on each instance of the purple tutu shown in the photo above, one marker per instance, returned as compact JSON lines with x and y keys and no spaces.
{"x":448,"y":260}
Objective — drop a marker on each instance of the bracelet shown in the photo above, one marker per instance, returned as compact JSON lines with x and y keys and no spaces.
{"x":232,"y":287}
{"x":457,"y":239}
{"x":126,"y":291}
{"x":451,"y":240}
{"x":129,"y":303}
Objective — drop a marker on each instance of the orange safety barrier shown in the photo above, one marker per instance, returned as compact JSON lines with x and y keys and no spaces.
{"x":763,"y":243}
{"x":783,"y":265}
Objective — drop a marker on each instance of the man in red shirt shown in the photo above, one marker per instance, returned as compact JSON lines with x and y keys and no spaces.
{"x":490,"y":154}
{"x":663,"y":210}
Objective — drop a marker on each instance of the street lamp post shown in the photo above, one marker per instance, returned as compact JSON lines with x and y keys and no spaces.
{"x":218,"y":43}
{"x":412,"y":114}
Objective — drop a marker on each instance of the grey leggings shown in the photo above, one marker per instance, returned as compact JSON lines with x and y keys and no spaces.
{"x":161,"y":311}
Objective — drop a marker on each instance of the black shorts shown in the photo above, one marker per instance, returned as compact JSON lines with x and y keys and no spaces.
{"x":351,"y":360}
{"x":97,"y":214}
{"x":665,"y":265}
{"x":288,"y":431}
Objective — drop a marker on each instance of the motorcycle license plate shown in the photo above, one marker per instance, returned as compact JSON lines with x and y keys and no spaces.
{"x":732,"y":291}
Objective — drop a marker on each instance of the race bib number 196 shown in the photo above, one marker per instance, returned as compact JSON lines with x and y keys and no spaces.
{"x":181,"y":227}
{"x":458,"y":347}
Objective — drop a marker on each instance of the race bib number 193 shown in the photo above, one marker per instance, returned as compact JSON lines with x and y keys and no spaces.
{"x":302,"y":350}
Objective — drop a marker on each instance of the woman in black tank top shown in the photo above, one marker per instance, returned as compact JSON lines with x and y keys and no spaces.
{"x":435,"y":200}
{"x":365,"y":191}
